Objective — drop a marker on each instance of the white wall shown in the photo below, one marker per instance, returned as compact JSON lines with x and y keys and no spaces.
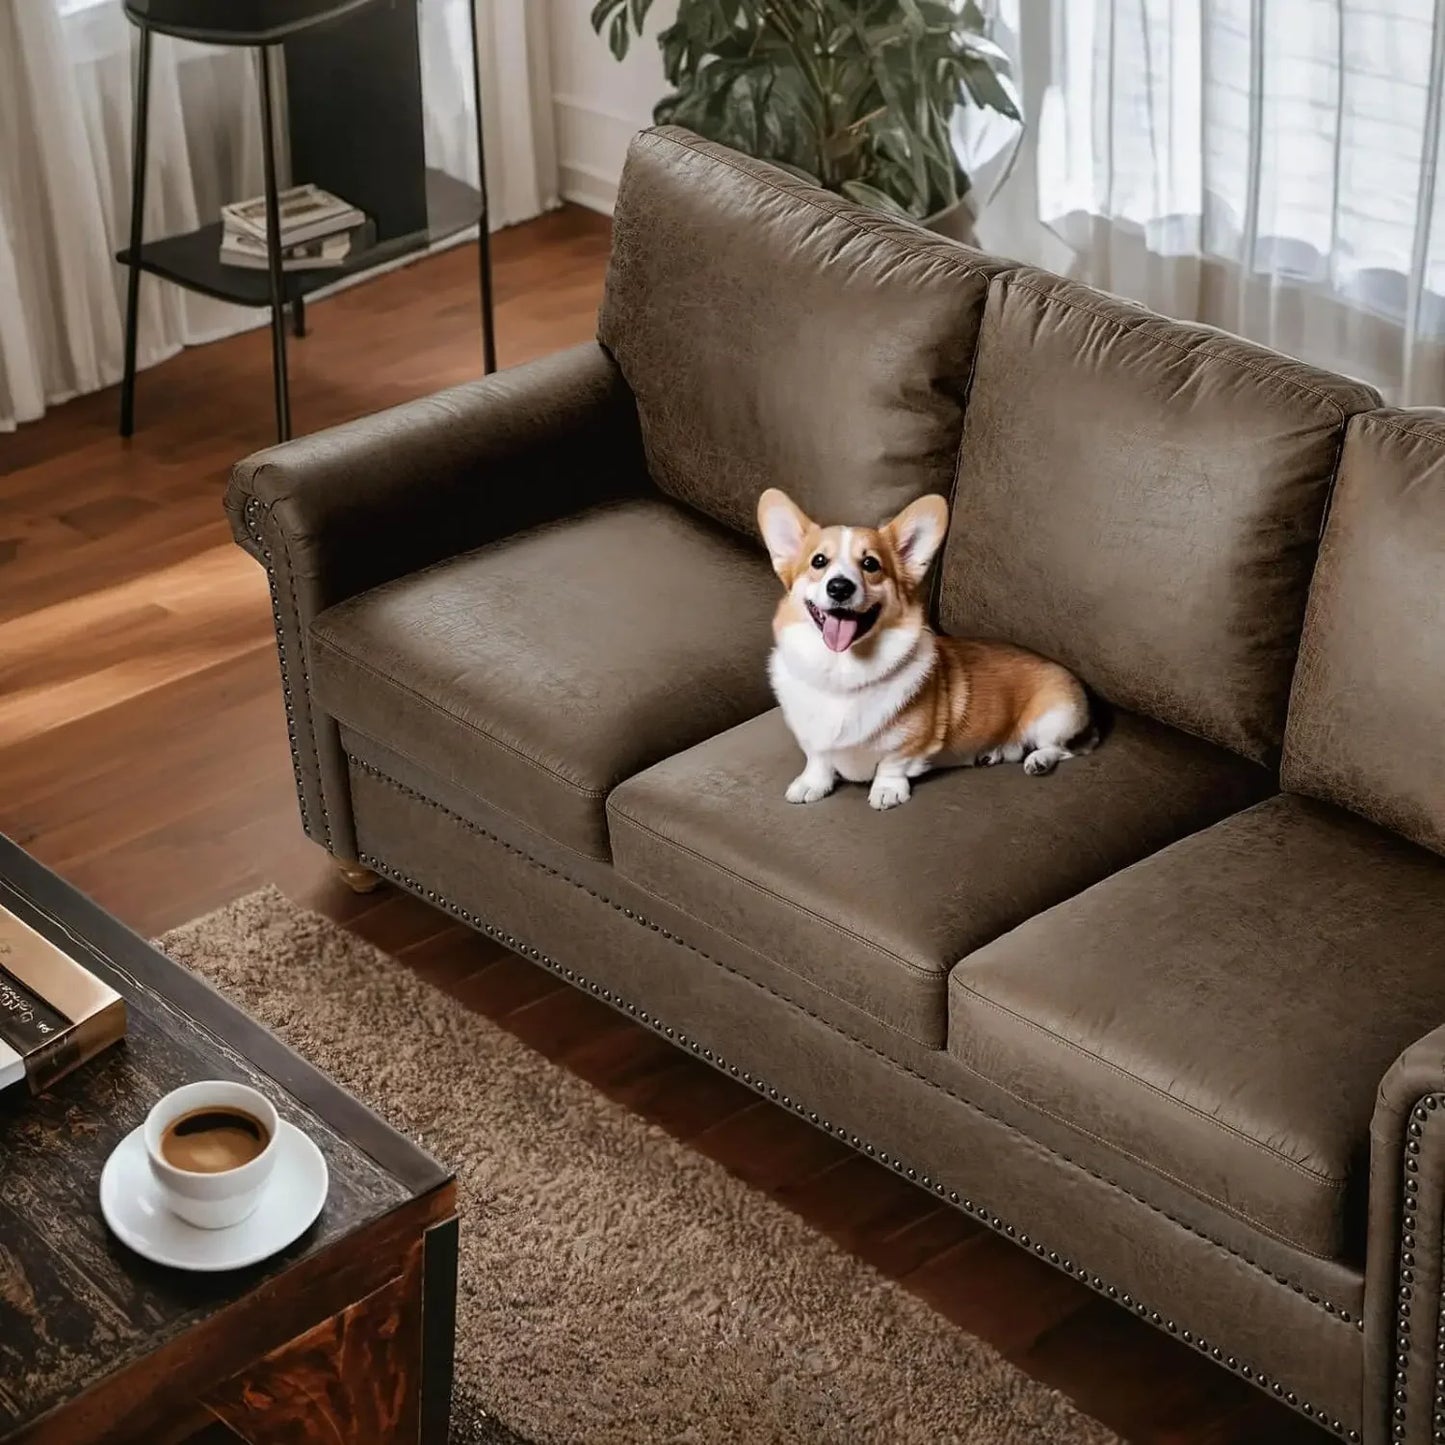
{"x":598,"y":104}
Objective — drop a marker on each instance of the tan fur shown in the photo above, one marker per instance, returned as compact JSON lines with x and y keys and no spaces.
{"x":981,"y":696}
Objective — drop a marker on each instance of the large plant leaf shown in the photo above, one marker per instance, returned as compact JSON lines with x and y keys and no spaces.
{"x":639,"y":14}
{"x":981,"y":45}
{"x":618,"y":35}
{"x":938,"y":14}
{"x":672,"y":42}
{"x":706,"y":22}
{"x":602,"y":12}
{"x":990,"y":89}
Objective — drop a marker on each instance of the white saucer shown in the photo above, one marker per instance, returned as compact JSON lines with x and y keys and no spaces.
{"x":130,"y":1201}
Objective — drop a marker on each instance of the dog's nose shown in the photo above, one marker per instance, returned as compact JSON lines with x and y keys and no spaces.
{"x":840,"y":589}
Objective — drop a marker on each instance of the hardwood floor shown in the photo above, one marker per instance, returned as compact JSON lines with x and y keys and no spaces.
{"x":143,"y":755}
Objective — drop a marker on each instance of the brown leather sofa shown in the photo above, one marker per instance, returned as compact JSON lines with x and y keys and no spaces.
{"x":1171,"y":1018}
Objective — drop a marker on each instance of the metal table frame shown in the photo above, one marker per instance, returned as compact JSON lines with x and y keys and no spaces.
{"x":264,"y":43}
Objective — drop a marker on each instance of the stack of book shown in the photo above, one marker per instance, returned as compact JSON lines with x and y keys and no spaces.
{"x":318,"y":230}
{"x":54,"y":1012}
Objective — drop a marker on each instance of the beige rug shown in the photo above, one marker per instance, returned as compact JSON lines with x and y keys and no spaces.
{"x":615,"y":1287}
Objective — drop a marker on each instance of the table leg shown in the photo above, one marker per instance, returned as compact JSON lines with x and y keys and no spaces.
{"x":137,"y":227}
{"x":273,"y":256}
{"x":298,"y":316}
{"x":438,"y":1328}
{"x":366,"y":1375}
{"x":484,"y":239}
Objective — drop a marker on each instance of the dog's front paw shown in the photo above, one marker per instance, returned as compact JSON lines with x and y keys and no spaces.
{"x":888,"y":793}
{"x":805,"y":789}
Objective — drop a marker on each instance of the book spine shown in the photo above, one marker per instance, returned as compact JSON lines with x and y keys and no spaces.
{"x":27,"y":1022}
{"x":54,"y":1013}
{"x":51,"y":1062}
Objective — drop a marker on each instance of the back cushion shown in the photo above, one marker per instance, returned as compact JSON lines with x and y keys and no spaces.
{"x":1367,"y":718}
{"x":1141,"y":500}
{"x":777,"y":336}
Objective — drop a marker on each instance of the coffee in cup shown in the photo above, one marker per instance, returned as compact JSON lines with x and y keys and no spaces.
{"x":211,"y":1148}
{"x":212,"y":1140}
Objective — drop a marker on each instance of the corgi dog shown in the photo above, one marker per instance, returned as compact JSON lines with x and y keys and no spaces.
{"x":871,"y":692}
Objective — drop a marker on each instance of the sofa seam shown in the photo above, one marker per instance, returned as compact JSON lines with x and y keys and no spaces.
{"x":970,"y":269}
{"x":1380,"y":418}
{"x":303,"y":647}
{"x":1326,"y":1307}
{"x":507,"y":813}
{"x":732,"y":938}
{"x":581,"y":789}
{"x":886,"y":953}
{"x":642,"y":888}
{"x":1130,"y":325}
{"x":936,"y":591}
{"x":1306,"y":661}
{"x":1230,"y":1209}
{"x":1329,"y":1181}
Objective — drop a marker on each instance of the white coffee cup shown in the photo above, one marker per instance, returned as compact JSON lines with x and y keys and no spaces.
{"x":216,"y":1200}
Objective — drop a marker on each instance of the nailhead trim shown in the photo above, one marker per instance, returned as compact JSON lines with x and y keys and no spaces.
{"x":253,"y":526}
{"x":1420,"y":1116}
{"x":1338,"y":1311}
{"x":762,"y":1087}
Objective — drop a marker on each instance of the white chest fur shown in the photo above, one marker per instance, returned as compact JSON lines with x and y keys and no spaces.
{"x":840,"y":705}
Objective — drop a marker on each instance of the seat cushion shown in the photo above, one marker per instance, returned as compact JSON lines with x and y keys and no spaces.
{"x":1141,"y":499}
{"x":874,"y":908}
{"x":1369,"y":696}
{"x":776,"y":335}
{"x":539,"y":672}
{"x":1223,"y":1011}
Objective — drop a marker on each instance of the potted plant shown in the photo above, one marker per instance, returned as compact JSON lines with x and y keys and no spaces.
{"x":855,"y":95}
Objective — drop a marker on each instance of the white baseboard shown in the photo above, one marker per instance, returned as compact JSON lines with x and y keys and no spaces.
{"x":586,"y":185}
{"x":592,"y":143}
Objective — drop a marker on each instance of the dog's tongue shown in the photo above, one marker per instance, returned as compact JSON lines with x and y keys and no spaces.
{"x":839,"y":632}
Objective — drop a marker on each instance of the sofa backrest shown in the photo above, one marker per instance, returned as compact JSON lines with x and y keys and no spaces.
{"x":1141,"y":499}
{"x":776,"y":335}
{"x":1367,"y":716}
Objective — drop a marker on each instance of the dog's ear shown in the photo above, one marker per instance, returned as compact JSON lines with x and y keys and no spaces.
{"x":916,"y":534}
{"x":784,"y":525}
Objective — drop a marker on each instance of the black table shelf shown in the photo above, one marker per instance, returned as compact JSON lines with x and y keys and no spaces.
{"x":193,"y":259}
{"x":352,"y":122}
{"x":237,"y":22}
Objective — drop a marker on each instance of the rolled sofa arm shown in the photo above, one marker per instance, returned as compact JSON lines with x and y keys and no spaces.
{"x":1404,"y":1271}
{"x":343,"y":510}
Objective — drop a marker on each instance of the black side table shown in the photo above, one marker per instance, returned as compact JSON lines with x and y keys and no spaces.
{"x":367,"y":145}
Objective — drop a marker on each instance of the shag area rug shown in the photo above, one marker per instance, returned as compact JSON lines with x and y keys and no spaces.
{"x":616,"y":1288}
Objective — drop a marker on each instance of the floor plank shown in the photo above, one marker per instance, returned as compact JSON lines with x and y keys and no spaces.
{"x":143,"y":753}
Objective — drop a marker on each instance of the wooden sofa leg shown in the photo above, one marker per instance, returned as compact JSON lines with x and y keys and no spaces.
{"x":356,"y":878}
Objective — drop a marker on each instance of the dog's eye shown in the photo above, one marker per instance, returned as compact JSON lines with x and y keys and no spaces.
{"x":869,"y":564}
{"x":819,"y":560}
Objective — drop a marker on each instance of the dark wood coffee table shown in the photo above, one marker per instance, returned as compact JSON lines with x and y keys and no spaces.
{"x":345,"y":1336}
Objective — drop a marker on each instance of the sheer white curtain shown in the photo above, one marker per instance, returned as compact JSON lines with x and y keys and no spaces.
{"x":1271,"y":166}
{"x":65,"y":159}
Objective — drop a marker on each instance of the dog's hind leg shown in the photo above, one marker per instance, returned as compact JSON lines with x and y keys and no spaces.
{"x":1006,"y":753}
{"x":1060,"y":733}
